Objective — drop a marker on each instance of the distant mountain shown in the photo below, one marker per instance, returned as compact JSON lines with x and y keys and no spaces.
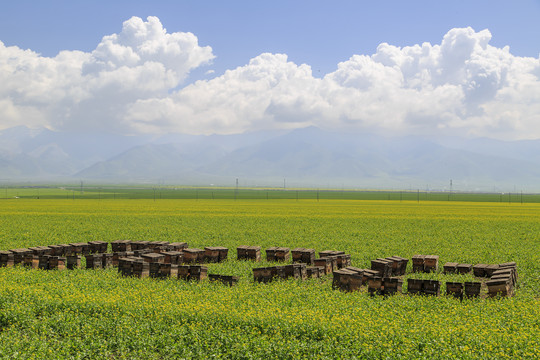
{"x":304,"y":157}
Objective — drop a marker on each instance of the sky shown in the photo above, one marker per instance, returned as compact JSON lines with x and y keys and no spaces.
{"x":460,"y":68}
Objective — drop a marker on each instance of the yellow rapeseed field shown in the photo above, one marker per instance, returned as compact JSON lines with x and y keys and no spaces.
{"x":99,"y":314}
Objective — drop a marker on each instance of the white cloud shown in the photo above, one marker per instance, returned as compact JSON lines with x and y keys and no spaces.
{"x":91,"y":91}
{"x":461,"y":86}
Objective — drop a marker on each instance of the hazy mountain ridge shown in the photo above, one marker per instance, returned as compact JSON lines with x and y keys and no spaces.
{"x":305,"y":157}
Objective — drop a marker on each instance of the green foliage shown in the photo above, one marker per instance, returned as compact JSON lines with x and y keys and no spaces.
{"x":98,"y":314}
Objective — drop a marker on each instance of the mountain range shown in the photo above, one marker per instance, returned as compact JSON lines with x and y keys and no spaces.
{"x":307,"y":157}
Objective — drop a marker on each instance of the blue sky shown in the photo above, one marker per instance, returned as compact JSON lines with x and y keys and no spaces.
{"x":319,"y":34}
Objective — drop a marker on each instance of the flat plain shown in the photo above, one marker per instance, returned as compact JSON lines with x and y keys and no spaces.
{"x":98,"y":314}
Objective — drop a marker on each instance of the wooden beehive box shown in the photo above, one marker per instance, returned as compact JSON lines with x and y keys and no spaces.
{"x":154,"y":269}
{"x":56,"y":250}
{"x":44,"y":262}
{"x":314,"y":272}
{"x":66,"y":250}
{"x":472,"y":288}
{"x":173,"y":257}
{"x":6,"y":258}
{"x":432,"y":287}
{"x":343,"y":260}
{"x":431,"y":263}
{"x":41,"y":250}
{"x":418,"y":263}
{"x":178,"y":246}
{"x":106,"y":260}
{"x":193,"y":255}
{"x":325,"y":263}
{"x":509,"y":272}
{"x":454,"y":288}
{"x":392,"y":285}
{"x":479,"y":270}
{"x":168,"y":270}
{"x":79,"y":248}
{"x":382,"y":266}
{"x":223,"y":253}
{"x":94,"y":261}
{"x":368,"y":274}
{"x":296,"y":254}
{"x":211,"y":254}
{"x":450,"y":267}
{"x":140,"y":269}
{"x":73,"y":261}
{"x":499,"y":287}
{"x":375,"y":286}
{"x":183,"y":272}
{"x":98,"y":247}
{"x":490,"y":269}
{"x":19,"y":254}
{"x":31,"y":261}
{"x":415,"y":286}
{"x":333,"y":261}
{"x":297,"y":271}
{"x":121,"y":246}
{"x":198,"y":272}
{"x":253,"y":253}
{"x":153,"y":257}
{"x":282,"y":254}
{"x":308,"y":256}
{"x":341,"y":279}
{"x":241,"y":252}
{"x":464,"y":268}
{"x":57,"y":262}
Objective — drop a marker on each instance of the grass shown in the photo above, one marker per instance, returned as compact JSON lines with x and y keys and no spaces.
{"x":97,"y":314}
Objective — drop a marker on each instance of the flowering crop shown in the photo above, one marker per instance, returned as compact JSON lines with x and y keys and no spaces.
{"x":98,"y":314}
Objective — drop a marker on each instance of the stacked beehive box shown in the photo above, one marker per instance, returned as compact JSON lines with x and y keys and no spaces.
{"x":325,"y":264}
{"x":279,"y":253}
{"x":454,"y":289}
{"x":98,"y":247}
{"x":245,"y":252}
{"x":425,"y":263}
{"x":382,"y":266}
{"x":399,"y":265}
{"x":503,"y":280}
{"x":347,"y":279}
{"x":303,"y":255}
{"x":193,"y":255}
{"x":424,"y":287}
{"x":215,"y":253}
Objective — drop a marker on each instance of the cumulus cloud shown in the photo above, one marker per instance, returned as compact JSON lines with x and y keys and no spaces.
{"x":461,"y":86}
{"x":91,"y":91}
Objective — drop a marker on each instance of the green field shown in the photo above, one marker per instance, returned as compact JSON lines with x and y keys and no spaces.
{"x":98,"y":314}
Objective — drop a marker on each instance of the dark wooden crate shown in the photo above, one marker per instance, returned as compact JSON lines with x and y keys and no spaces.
{"x":432,"y":287}
{"x":6,"y":258}
{"x":382,"y":266}
{"x":198,"y":272}
{"x":455,"y":289}
{"x":98,"y":247}
{"x":120,"y":246}
{"x":153,"y":257}
{"x":450,"y":267}
{"x":479,"y":270}
{"x":392,"y":285}
{"x":375,"y":286}
{"x":31,"y":261}
{"x":253,"y":253}
{"x":140,"y":269}
{"x":464,"y":268}
{"x":94,"y":261}
{"x":178,"y":246}
{"x":73,"y":261}
{"x":193,"y":255}
{"x":472,"y":288}
{"x":490,"y":269}
{"x":325,"y":263}
{"x":211,"y":254}
{"x":415,"y":286}
{"x":343,"y":260}
{"x":173,"y":257}
{"x":431,"y":263}
{"x":183,"y":272}
{"x":418,"y":263}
